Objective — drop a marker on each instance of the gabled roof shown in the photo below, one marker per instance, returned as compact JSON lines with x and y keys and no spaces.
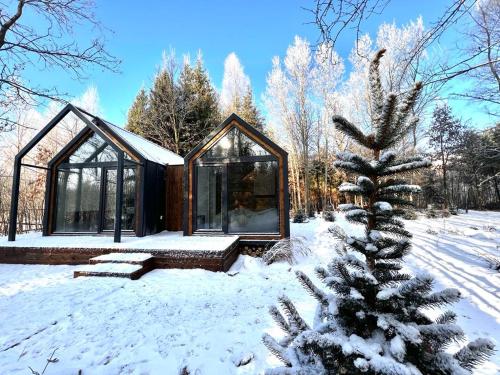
{"x":259,"y":137}
{"x":141,"y":146}
{"x":149,"y":150}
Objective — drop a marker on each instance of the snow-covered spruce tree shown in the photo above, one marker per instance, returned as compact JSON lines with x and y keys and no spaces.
{"x":374,"y":321}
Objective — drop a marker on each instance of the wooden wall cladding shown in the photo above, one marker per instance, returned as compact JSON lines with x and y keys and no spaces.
{"x":174,"y":197}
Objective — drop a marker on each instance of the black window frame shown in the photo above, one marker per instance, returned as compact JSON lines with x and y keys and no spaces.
{"x":224,"y":162}
{"x":103,"y":167}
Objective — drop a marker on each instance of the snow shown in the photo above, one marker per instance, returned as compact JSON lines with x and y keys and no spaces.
{"x":149,"y":150}
{"x":163,"y":241}
{"x":382,"y":206}
{"x":212,"y":322}
{"x":123,"y":257}
{"x":118,"y":268}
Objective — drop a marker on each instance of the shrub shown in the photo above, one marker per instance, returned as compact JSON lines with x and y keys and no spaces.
{"x":431,"y":214}
{"x":287,"y":250}
{"x":410,"y":215}
{"x":300,"y":217}
{"x":329,"y":215}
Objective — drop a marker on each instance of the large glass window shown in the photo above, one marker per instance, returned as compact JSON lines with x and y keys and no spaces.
{"x":94,"y":149}
{"x":128,"y":203}
{"x":234,"y":144}
{"x":252,"y":197}
{"x":237,"y":187}
{"x":86,"y":190}
{"x":78,"y":196}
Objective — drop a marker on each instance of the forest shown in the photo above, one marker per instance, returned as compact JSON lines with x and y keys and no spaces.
{"x":180,"y":105}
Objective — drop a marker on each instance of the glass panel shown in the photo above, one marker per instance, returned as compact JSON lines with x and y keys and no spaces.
{"x":94,"y":149}
{"x":128,"y":204}
{"x":234,"y":144}
{"x":252,"y":197}
{"x":209,"y":198}
{"x":77,"y":200}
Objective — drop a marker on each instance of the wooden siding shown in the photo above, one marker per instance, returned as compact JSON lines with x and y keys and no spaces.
{"x":174,"y":197}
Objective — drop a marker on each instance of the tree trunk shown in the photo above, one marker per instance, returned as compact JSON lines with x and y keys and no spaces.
{"x":305,"y":161}
{"x":466,"y":199}
{"x":325,"y":202}
{"x":292,"y":176}
{"x":445,"y":186}
{"x":318,"y":188}
{"x":497,"y":190}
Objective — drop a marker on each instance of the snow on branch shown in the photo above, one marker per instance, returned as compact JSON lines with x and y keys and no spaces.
{"x":400,"y":168}
{"x":348,"y":187}
{"x":475,"y":353}
{"x":401,"y":188}
{"x":382,"y":206}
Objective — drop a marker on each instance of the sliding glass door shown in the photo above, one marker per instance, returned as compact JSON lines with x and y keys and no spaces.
{"x":128,"y":204}
{"x":252,"y":197}
{"x":78,"y":197}
{"x":237,"y":197}
{"x":209,"y":197}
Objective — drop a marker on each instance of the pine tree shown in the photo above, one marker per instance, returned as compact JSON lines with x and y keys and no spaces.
{"x":248,"y":111}
{"x":374,"y":321}
{"x":137,"y":114}
{"x":201,"y":102}
{"x":445,"y":135}
{"x":164,"y":113}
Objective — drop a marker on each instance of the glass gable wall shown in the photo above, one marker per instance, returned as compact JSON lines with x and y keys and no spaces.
{"x":86,"y":190}
{"x":237,"y":187}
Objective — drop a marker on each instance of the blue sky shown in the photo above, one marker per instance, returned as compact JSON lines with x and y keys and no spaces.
{"x":255,"y":30}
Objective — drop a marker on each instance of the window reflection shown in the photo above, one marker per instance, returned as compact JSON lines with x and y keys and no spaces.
{"x":78,"y":192}
{"x":209,"y":198}
{"x":128,"y":203}
{"x":235,"y":144}
{"x":94,"y":149}
{"x":86,"y":190}
{"x":252,"y":197}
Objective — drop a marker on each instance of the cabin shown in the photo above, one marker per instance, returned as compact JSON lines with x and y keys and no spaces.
{"x":110,"y":182}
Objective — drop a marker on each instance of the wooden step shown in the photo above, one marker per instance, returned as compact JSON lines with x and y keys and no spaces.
{"x":130,"y":271}
{"x":130,"y":258}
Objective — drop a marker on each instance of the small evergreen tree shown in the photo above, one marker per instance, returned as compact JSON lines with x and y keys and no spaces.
{"x":431,"y":188}
{"x":374,"y":321}
{"x":137,"y":114}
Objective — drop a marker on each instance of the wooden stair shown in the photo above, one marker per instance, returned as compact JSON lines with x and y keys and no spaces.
{"x":127,"y":265}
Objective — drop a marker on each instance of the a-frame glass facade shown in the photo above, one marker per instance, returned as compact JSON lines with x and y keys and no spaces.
{"x":86,"y":190}
{"x":237,"y":187}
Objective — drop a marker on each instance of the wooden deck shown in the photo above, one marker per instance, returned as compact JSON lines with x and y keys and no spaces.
{"x":200,"y":252}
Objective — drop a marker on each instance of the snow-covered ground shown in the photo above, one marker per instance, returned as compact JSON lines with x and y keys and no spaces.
{"x":210,"y":321}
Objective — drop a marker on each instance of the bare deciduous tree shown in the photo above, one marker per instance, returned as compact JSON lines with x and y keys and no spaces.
{"x":47,"y":45}
{"x":484,"y":37}
{"x":335,"y":17}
